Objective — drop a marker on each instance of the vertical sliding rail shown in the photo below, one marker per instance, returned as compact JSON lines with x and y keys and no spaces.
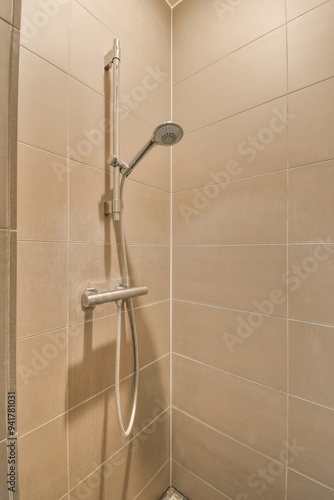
{"x":113,"y":58}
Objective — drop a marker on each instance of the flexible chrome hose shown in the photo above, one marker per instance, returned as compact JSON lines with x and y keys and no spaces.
{"x":125,"y":432}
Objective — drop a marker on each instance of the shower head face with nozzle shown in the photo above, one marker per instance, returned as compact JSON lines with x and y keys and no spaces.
{"x":167,"y":134}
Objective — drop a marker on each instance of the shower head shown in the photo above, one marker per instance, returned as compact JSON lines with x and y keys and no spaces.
{"x":166,"y":134}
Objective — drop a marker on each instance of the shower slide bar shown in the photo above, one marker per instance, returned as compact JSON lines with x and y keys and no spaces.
{"x":91,"y":297}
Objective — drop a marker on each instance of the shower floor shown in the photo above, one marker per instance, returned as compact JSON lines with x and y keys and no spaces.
{"x":172,"y":494}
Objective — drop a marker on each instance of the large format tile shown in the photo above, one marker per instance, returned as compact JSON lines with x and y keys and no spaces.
{"x":250,"y":143}
{"x":6,"y":10}
{"x":93,"y":435}
{"x":310,"y":47}
{"x":192,"y":486}
{"x":205,"y":32}
{"x":3,"y":332}
{"x":232,"y":85}
{"x":310,"y":282}
{"x":310,"y":187}
{"x":231,"y":213}
{"x":158,"y":485}
{"x":302,"y":488}
{"x":311,"y":431}
{"x":252,"y":346}
{"x":310,"y":132}
{"x":222,"y":400}
{"x":146,"y":210}
{"x":43,"y":109}
{"x":42,"y":195}
{"x":128,"y":472}
{"x":43,"y":462}
{"x":298,"y":7}
{"x":45,"y":30}
{"x":41,"y":287}
{"x":135,"y":24}
{"x":42,"y":379}
{"x":97,"y":266}
{"x":227,"y":465}
{"x":311,"y":368}
{"x":5,"y":33}
{"x":237,"y":277}
{"x":145,"y":88}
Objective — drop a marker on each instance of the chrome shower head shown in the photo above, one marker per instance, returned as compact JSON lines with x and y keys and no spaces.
{"x":166,"y":134}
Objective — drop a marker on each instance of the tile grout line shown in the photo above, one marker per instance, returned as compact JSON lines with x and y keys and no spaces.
{"x":253,"y":381}
{"x":287,"y":245}
{"x":171,"y":268}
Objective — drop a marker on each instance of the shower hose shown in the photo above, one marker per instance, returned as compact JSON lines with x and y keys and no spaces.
{"x":125,"y":432}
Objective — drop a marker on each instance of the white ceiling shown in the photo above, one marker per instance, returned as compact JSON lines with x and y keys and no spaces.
{"x":172,"y":3}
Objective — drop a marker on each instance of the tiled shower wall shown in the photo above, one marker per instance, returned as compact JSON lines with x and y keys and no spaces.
{"x":253,"y":264}
{"x":9,"y":54}
{"x":70,"y":446}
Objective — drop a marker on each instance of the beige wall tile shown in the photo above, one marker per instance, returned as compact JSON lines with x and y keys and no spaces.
{"x":225,"y":400}
{"x":5,"y":33}
{"x":206,"y":453}
{"x":154,"y":392}
{"x":250,"y":143}
{"x":162,"y":12}
{"x":41,"y":287}
{"x":6,"y":10}
{"x":3,"y":469}
{"x":93,"y":435}
{"x":310,"y":47}
{"x":310,"y":282}
{"x":42,"y":195}
{"x":230,"y":213}
{"x":42,"y":379}
{"x":89,"y":189}
{"x":253,"y":346}
{"x":192,"y":486}
{"x":134,"y":24}
{"x":297,"y":7}
{"x":145,"y":88}
{"x":45,"y":30}
{"x":90,"y":126}
{"x":238,"y":277}
{"x":311,"y":428}
{"x":204,"y":33}
{"x":91,"y":354}
{"x":311,"y":369}
{"x":232,"y":85}
{"x":97,"y":266}
{"x":153,"y":331}
{"x":43,"y":93}
{"x":310,"y":187}
{"x":153,"y":451}
{"x":303,"y":488}
{"x":310,"y":138}
{"x":118,"y":472}
{"x":146,"y":214}
{"x":157,"y":486}
{"x":128,"y":472}
{"x":43,"y":462}
{"x":3,"y":334}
